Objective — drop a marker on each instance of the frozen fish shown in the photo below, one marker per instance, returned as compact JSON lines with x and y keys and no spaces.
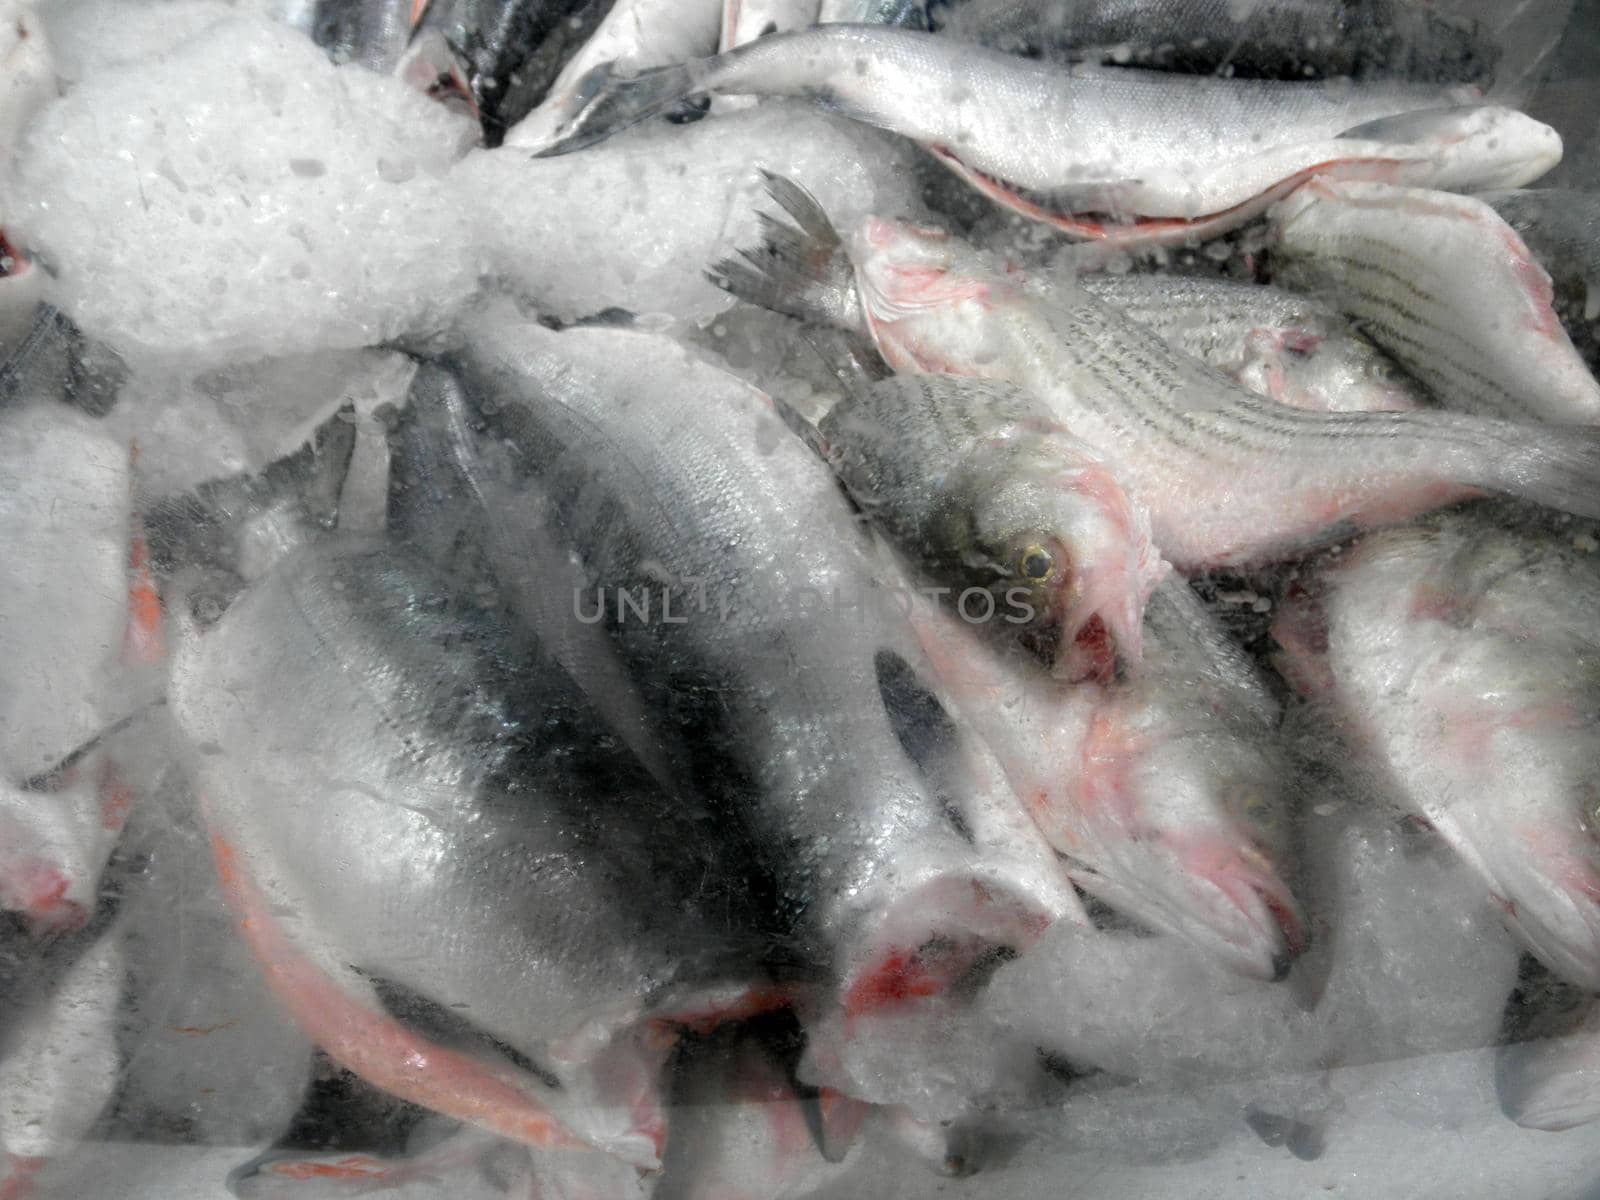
{"x":1227,"y":477}
{"x":355,"y":718}
{"x":1444,"y":285}
{"x":1115,"y":154}
{"x":1554,"y":1083}
{"x":733,"y":579}
{"x":1457,"y":659}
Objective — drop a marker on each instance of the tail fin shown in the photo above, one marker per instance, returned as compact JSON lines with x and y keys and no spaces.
{"x":798,"y":269}
{"x":603,"y":103}
{"x":1557,"y":466}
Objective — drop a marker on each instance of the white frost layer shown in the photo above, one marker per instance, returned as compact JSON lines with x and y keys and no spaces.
{"x":93,"y":36}
{"x":64,"y":512}
{"x":243,"y":197}
{"x":635,"y":221}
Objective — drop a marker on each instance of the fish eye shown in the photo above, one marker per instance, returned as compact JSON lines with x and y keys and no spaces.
{"x":1036,"y":563}
{"x":1383,"y":371}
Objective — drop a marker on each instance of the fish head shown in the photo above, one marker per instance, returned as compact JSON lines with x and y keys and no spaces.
{"x":1184,"y":834}
{"x":1069,"y":547}
{"x":1470,"y":147}
{"x":925,"y":296}
{"x":1312,"y":372}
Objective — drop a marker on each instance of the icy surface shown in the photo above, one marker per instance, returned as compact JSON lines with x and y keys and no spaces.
{"x":240,"y":197}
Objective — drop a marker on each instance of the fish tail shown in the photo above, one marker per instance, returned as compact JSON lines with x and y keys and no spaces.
{"x":797,"y":267}
{"x":1557,"y":466}
{"x":603,"y":103}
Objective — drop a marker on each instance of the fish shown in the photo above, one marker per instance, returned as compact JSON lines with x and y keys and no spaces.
{"x":353,"y":715}
{"x":1002,"y":509}
{"x":733,"y":579}
{"x":373,"y":33}
{"x":504,"y":54}
{"x":1561,"y":227}
{"x":1116,"y":155}
{"x":1285,"y":346}
{"x":1444,"y":285}
{"x":635,"y":35}
{"x":1554,"y":1083}
{"x":1456,"y":660}
{"x":1182,"y":438}
{"x":1299,"y":40}
{"x":1162,"y":791}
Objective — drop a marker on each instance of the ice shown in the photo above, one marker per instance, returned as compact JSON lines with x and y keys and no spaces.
{"x":634,"y":222}
{"x":93,"y":36}
{"x":240,"y":197}
{"x":65,"y":495}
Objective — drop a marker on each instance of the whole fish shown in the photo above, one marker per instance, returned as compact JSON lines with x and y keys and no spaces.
{"x":1277,"y":343}
{"x":1458,"y":659}
{"x":733,"y":579}
{"x":1002,"y":508}
{"x":402,"y":797}
{"x":1227,"y":477}
{"x":1444,"y":285}
{"x":1170,"y":157}
{"x":506,"y":54}
{"x":1296,"y":40}
{"x":1162,"y":792}
{"x":1561,"y":227}
{"x":1554,"y":1083}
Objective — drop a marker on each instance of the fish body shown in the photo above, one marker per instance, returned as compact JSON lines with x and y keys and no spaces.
{"x":733,"y":578}
{"x":1457,"y":657}
{"x":1447,"y":287}
{"x":1298,"y":40}
{"x":1161,"y":791}
{"x":415,"y":812}
{"x":1227,"y":477}
{"x":1279,"y":344}
{"x":1001,"y":507}
{"x":1184,"y":155}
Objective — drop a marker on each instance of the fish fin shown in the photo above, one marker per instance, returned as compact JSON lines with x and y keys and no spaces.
{"x":603,"y":103}
{"x":797,"y":267}
{"x":1401,"y":128}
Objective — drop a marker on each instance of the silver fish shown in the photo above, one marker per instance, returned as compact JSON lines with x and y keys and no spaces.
{"x":733,"y":579}
{"x":1458,"y":659}
{"x":1280,"y":344}
{"x":1175,"y":157}
{"x":356,"y":716}
{"x":374,"y":33}
{"x":1444,"y":285}
{"x":1296,"y":40}
{"x":1227,"y":477}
